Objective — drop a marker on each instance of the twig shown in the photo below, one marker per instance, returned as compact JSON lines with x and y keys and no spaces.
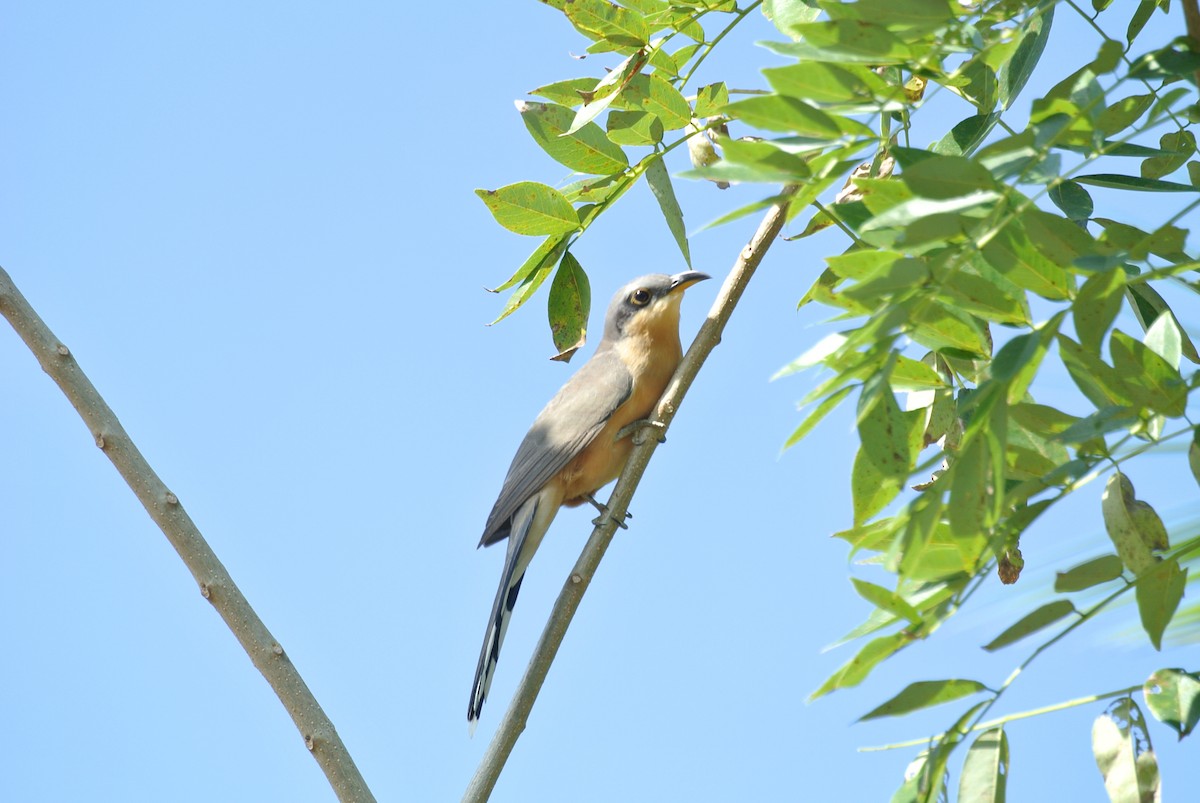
{"x":707,"y":338}
{"x":164,"y":508}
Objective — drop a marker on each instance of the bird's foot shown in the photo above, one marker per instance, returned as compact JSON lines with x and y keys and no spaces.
{"x":639,"y":428}
{"x":604,"y":514}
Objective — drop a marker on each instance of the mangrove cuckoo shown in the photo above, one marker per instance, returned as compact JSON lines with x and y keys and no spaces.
{"x":580,"y":441}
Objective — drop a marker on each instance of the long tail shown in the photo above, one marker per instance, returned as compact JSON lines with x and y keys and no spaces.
{"x":520,"y":550}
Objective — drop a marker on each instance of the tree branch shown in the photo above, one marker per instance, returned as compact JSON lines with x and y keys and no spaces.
{"x":1191,"y":17}
{"x":707,"y":338}
{"x":164,"y":508}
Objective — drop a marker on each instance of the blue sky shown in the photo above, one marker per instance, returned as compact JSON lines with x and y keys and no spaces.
{"x":255,"y":228}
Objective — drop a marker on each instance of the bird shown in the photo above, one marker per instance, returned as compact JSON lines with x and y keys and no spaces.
{"x":581,"y":439}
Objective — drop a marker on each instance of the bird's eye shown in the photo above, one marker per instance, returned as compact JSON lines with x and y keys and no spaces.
{"x":639,"y":297}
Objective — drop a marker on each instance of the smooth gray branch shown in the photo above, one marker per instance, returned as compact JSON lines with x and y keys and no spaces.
{"x":164,"y":508}
{"x":707,"y":338}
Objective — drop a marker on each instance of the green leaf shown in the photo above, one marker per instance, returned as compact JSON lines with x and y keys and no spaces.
{"x":1062,"y":240}
{"x":528,"y":287}
{"x":753,"y":161}
{"x":972,"y":485}
{"x":821,"y":82}
{"x":634,"y":128}
{"x":1108,"y":58}
{"x":1090,"y":573}
{"x":1117,"y":181}
{"x":985,"y":769}
{"x":855,"y":671}
{"x":1096,"y":379}
{"x":823,"y":409}
{"x":1032,"y":622}
{"x":913,"y":18}
{"x":1121,"y":746}
{"x":684,"y":21}
{"x":923,"y":694}
{"x":1030,"y":456}
{"x":1018,"y":360}
{"x":942,"y":177}
{"x":1123,"y":113}
{"x":787,"y":13}
{"x":966,"y":135}
{"x":1194,"y":454}
{"x":1013,"y":253}
{"x":1016,"y":71}
{"x":711,"y":99}
{"x":566,"y":93}
{"x":568,"y":307}
{"x":873,"y":537}
{"x":1176,"y":58}
{"x":608,"y":89}
{"x":587,"y":150}
{"x":1165,"y":339}
{"x":1073,"y":200}
{"x":1148,"y":305}
{"x":1173,"y":696}
{"x":1096,"y":307}
{"x":886,"y":600}
{"x":870,"y":488}
{"x":910,"y":375}
{"x":600,"y":19}
{"x":1133,"y":543}
{"x":1150,"y":380}
{"x":1159,"y":590}
{"x":1040,"y":418}
{"x":939,"y":327}
{"x":885,"y":457}
{"x":1181,"y":144}
{"x":660,"y":184}
{"x":1140,"y":17}
{"x":845,"y":40}
{"x":594,"y":190}
{"x":941,"y":554}
{"x":528,"y":207}
{"x":782,"y":113}
{"x":654,"y":94}
{"x":545,"y":254}
{"x":1105,"y":420}
{"x":974,"y":286}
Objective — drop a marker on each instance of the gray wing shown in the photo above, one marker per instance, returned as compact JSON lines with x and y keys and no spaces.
{"x":561,"y":431}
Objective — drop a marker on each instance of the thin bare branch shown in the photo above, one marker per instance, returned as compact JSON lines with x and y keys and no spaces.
{"x":707,"y":338}
{"x":165,"y":509}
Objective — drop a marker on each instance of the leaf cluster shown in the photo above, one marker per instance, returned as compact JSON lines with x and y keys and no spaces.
{"x":971,"y":267}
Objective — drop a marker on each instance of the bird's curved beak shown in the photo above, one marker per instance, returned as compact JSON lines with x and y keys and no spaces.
{"x":682,"y":281}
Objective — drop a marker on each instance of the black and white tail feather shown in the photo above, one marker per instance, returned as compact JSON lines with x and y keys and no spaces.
{"x":516,"y":560}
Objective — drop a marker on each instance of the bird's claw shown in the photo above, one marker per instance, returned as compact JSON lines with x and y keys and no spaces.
{"x":604,"y":514}
{"x":638,"y":430}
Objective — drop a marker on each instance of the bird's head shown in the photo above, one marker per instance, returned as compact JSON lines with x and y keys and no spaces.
{"x":648,"y":303}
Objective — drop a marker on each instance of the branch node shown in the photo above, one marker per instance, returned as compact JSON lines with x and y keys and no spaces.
{"x":63,"y":350}
{"x":205,"y":591}
{"x":172,"y":499}
{"x":277,"y":649}
{"x":310,"y":743}
{"x":99,"y":440}
{"x":576,"y":578}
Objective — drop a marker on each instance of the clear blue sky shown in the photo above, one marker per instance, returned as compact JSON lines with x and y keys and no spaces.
{"x":254,"y":226}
